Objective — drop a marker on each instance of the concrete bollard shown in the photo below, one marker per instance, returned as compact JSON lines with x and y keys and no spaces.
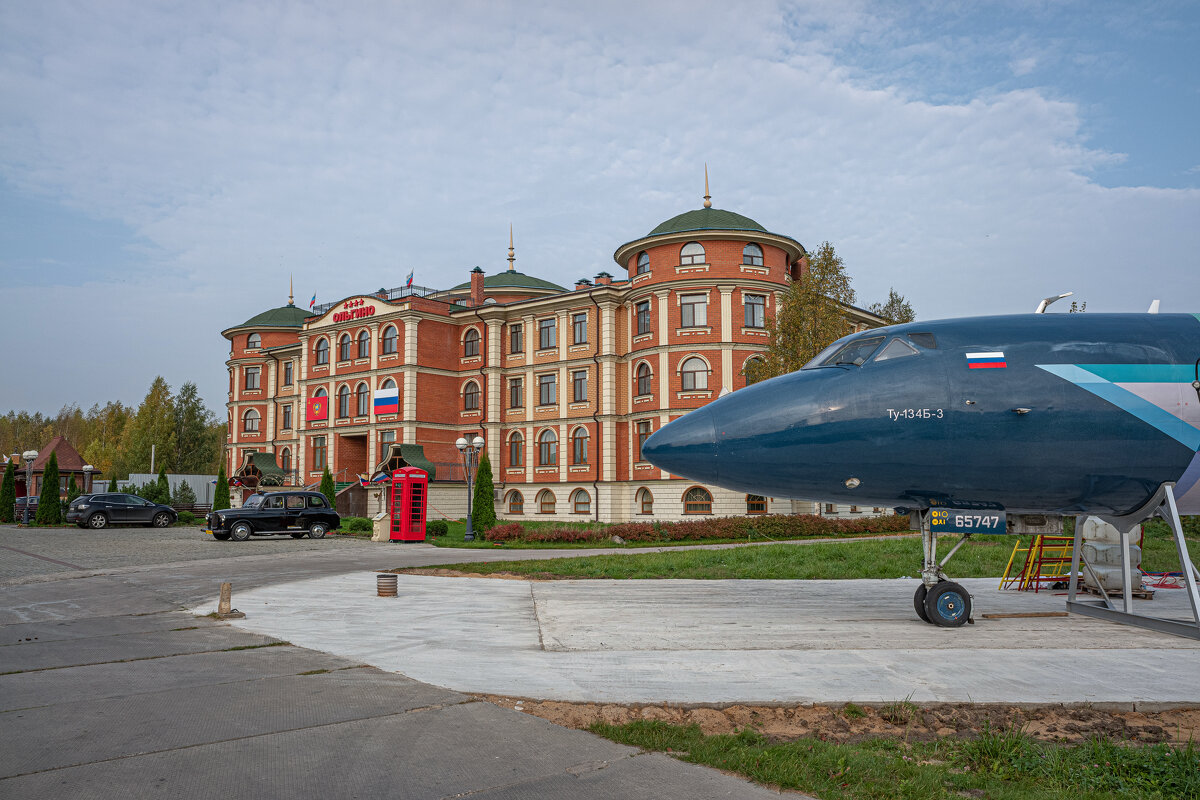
{"x":385,"y":584}
{"x":225,"y":608}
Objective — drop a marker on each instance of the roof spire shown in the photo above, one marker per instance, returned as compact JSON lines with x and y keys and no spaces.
{"x":512,"y":254}
{"x":707,"y":196}
{"x":291,"y":293}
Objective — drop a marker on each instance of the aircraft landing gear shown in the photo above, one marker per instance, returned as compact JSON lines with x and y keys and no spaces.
{"x":938,"y":600}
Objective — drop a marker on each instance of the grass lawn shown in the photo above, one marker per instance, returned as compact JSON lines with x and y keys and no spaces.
{"x":982,"y":557}
{"x":998,"y":764}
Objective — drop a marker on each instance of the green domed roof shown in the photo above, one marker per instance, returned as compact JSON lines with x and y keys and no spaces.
{"x":288,"y":316}
{"x":706,"y":219}
{"x":511,"y":279}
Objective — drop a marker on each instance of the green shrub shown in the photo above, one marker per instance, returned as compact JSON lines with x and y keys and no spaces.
{"x":183,"y":495}
{"x":357,"y":525}
{"x":436,"y":527}
{"x":187,"y":518}
{"x":778,"y":526}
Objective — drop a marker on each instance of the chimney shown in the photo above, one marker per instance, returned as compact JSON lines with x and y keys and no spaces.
{"x":604,"y":279}
{"x":582,"y":284}
{"x":477,"y":287}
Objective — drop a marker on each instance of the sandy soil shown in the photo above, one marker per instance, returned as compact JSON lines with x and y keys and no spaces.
{"x":901,"y":720}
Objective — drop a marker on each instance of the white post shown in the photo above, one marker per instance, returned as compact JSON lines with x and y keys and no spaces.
{"x":152,"y":458}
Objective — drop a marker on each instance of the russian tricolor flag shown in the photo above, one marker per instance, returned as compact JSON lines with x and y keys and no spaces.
{"x":387,"y":401}
{"x":986,"y":361}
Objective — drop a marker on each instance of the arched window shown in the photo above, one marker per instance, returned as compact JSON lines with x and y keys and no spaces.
{"x":389,"y":340}
{"x":694,"y":373}
{"x":545,"y":502}
{"x":343,"y":409}
{"x":645,"y":501}
{"x":579,"y":446}
{"x":320,"y":392}
{"x":364,"y":344}
{"x":253,"y":340}
{"x":643,"y":263}
{"x":344,"y":347}
{"x":388,"y":384}
{"x":752,"y":254}
{"x":471,"y":396}
{"x":581,"y":502}
{"x":692,"y":253}
{"x":697,"y":500}
{"x":643,"y":378}
{"x":516,"y":450}
{"x":250,"y":421}
{"x":756,"y":504}
{"x":285,"y":459}
{"x":471,"y":343}
{"x":753,"y":363}
{"x":516,"y":502}
{"x":547,"y":448}
{"x":362,"y":400}
{"x":321,"y":351}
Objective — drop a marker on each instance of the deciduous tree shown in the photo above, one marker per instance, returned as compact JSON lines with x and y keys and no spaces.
{"x":896,"y":310}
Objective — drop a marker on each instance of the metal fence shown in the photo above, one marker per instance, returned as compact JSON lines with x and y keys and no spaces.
{"x":202,"y":486}
{"x":398,"y":293}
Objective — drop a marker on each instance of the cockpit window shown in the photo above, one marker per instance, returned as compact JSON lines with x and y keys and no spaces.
{"x":896,"y":348}
{"x":853,"y":353}
{"x":925,"y":340}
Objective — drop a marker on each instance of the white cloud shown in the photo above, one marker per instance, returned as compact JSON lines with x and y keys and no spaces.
{"x":1023,"y":66}
{"x":247,"y":142}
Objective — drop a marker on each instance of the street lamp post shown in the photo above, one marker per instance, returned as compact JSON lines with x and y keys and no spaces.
{"x":29,"y":456}
{"x":470,"y":453}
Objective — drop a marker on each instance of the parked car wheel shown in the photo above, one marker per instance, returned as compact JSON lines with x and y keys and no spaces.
{"x":240,"y":532}
{"x":161,"y":520}
{"x":97,"y":521}
{"x":317,"y":530}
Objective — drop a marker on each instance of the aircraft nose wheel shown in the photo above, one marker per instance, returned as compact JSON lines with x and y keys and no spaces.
{"x":947,"y":604}
{"x":919,"y":601}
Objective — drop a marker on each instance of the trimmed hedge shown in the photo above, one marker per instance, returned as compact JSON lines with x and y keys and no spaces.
{"x":776,"y":526}
{"x":436,"y":527}
{"x":357,"y":525}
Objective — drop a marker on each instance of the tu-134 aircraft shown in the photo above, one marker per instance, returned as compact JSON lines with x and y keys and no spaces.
{"x":974,"y":425}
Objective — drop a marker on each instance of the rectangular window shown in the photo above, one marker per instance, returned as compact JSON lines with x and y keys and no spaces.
{"x":287,"y":373}
{"x":516,"y":451}
{"x":830,"y":508}
{"x":252,"y":377}
{"x":287,"y":417}
{"x":320,"y":452}
{"x":855,"y":510}
{"x":546,"y":334}
{"x":643,"y":317}
{"x":385,"y":439}
{"x":693,"y":310}
{"x":516,"y":393}
{"x":756,"y":306}
{"x":547,"y":389}
{"x":579,"y":329}
{"x":516,"y":343}
{"x":643,"y":433}
{"x":756,"y":504}
{"x":579,"y":386}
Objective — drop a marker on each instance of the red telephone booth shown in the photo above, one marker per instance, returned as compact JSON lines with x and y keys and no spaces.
{"x":410,"y":488}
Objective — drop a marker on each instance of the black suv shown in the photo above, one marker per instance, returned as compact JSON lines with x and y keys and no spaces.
{"x":297,"y":513}
{"x":101,"y":510}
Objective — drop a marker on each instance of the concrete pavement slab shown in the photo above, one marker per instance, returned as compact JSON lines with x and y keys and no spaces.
{"x":473,"y":748}
{"x":728,"y":641}
{"x":90,"y":627}
{"x":73,"y":599}
{"x":122,"y":679}
{"x":85,"y":731}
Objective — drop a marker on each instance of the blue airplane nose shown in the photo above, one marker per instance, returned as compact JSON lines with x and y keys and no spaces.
{"x":686,"y":447}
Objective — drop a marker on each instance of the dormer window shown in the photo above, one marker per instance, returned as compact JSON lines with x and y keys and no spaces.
{"x":692,"y":253}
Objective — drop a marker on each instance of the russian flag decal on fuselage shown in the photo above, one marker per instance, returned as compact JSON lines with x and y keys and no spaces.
{"x":986,"y":361}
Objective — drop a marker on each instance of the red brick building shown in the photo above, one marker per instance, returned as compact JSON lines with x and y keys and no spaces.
{"x":562,"y":383}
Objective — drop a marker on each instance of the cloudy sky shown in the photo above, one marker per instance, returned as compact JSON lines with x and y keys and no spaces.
{"x":164,"y":167}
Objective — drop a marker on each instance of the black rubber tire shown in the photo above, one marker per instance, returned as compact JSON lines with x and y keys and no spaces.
{"x":240,"y":532}
{"x":919,"y":601}
{"x":224,"y":537}
{"x":317,"y":530}
{"x":161,"y":520}
{"x":97,"y":521}
{"x":948,"y":605}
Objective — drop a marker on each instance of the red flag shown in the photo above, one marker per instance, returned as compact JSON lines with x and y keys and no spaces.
{"x":318,"y":408}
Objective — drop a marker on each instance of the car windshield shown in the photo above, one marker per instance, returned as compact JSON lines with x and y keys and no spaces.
{"x":254,"y":501}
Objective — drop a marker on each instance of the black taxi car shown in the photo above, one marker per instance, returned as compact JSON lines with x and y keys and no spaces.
{"x":296,"y":512}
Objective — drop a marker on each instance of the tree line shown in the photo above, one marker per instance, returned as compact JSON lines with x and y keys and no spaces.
{"x":116,"y":439}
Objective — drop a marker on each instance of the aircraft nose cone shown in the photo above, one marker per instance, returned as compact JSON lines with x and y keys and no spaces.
{"x":686,"y":447}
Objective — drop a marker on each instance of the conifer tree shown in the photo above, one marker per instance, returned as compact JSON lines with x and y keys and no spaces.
{"x":327,"y":487}
{"x":112,"y":483}
{"x":8,"y":494}
{"x":164,"y":486}
{"x":484,"y":512}
{"x":896,"y":310}
{"x":221,"y":494}
{"x":49,"y":511}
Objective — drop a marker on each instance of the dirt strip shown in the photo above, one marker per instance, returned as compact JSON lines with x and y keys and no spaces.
{"x":900,"y":720}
